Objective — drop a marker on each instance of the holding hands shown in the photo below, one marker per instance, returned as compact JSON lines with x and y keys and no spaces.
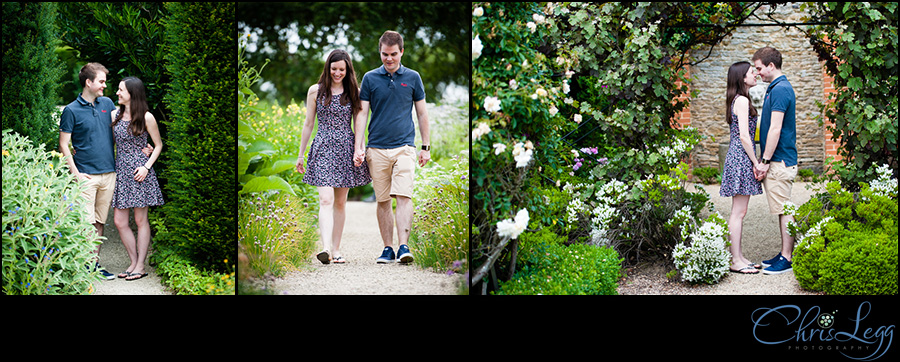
{"x":760,"y":171}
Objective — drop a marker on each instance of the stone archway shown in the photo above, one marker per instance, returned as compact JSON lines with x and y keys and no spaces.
{"x":806,"y":73}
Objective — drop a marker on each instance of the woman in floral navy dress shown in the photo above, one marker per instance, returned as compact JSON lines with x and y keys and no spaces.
{"x":136,"y":184}
{"x":334,"y":101}
{"x":738,"y":177}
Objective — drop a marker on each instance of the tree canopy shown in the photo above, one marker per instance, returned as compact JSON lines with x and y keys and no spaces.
{"x":435,"y":35}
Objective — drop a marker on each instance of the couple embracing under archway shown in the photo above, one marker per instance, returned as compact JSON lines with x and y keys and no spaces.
{"x":340,"y":159}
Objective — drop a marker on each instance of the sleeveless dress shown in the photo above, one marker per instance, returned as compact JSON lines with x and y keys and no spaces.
{"x":737,"y":175}
{"x":128,"y":192}
{"x":330,"y":162}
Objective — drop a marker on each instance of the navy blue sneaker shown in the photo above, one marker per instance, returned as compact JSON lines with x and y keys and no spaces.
{"x":387,"y":256}
{"x":768,"y":263}
{"x":780,"y":266}
{"x":104,"y":274}
{"x":404,"y":255}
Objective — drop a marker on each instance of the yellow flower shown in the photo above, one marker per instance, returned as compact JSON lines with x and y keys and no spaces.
{"x":5,"y":153}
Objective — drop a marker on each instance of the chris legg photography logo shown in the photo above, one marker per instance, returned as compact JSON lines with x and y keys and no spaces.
{"x":851,"y":333}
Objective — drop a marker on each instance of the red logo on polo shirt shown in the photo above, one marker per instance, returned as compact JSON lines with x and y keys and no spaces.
{"x":103,"y":110}
{"x":403,"y":84}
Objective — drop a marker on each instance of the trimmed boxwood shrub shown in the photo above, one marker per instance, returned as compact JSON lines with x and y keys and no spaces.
{"x":549,"y":267}
{"x":48,"y":243}
{"x":31,"y":71}
{"x":847,"y":241}
{"x":200,"y":149}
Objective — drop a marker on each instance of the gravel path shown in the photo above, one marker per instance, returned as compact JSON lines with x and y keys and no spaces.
{"x":114,"y":259}
{"x":761,"y":240}
{"x":361,"y":245}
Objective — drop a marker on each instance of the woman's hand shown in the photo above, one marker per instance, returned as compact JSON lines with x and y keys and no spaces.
{"x":140,"y":173}
{"x":299,"y":166}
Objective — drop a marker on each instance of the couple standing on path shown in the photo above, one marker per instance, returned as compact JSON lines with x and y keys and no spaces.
{"x":339,"y":159}
{"x":776,"y":167}
{"x":121,"y":177}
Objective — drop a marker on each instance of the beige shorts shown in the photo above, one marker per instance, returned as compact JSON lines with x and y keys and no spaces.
{"x":778,"y":184}
{"x":392,"y":171}
{"x":98,"y":196}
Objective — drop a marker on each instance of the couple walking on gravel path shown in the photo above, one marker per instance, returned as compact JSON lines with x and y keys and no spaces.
{"x":744,"y":174}
{"x":338,"y":158}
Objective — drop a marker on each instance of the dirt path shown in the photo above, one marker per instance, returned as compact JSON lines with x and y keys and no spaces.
{"x":114,"y":259}
{"x":361,"y":245}
{"x":761,"y":240}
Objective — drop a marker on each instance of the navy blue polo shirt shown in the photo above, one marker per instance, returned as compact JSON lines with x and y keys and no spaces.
{"x":780,"y":97}
{"x":92,"y":136}
{"x":391,"y":98}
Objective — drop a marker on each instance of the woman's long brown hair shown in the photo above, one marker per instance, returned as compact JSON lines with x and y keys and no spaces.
{"x":351,"y":88}
{"x":138,"y":105}
{"x":736,"y":86}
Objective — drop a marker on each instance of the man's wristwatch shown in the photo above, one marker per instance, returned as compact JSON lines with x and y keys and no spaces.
{"x":764,"y":161}
{"x":426,"y":147}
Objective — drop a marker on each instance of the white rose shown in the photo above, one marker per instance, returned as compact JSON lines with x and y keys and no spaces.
{"x":492,"y":104}
{"x":578,"y":118}
{"x":476,"y":47}
{"x":479,"y":11}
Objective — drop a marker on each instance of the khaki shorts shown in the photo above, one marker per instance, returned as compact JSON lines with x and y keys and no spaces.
{"x":392,"y":171}
{"x":778,"y":184}
{"x":98,"y":196}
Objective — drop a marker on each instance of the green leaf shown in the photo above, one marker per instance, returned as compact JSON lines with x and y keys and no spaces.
{"x":268,"y":183}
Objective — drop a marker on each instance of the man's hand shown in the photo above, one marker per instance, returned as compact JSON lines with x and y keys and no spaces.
{"x":760,"y":171}
{"x":424,"y":157}
{"x":147,"y":150}
{"x":359,"y":157}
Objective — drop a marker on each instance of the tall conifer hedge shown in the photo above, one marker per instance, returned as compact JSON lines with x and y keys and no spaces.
{"x":31,"y":71}
{"x":200,"y":149}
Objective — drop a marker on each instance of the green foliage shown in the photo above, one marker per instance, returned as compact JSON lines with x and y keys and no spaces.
{"x":847,"y":241}
{"x":184,"y":278}
{"x":31,"y":72}
{"x":706,"y":175}
{"x":277,"y":232}
{"x":127,"y":38}
{"x":584,"y":84}
{"x":440,"y":237}
{"x":550,"y":267}
{"x":48,"y":242}
{"x":435,"y":36}
{"x":200,"y":148}
{"x":861,"y":54}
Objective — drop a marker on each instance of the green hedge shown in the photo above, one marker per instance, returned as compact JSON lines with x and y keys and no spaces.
{"x":200,"y":149}
{"x":31,"y":72}
{"x":847,"y":241}
{"x":549,"y":267}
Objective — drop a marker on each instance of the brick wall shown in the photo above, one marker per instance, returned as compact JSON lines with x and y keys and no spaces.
{"x":706,"y":112}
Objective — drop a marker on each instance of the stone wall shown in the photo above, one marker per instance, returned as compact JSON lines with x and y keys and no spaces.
{"x":799,"y":63}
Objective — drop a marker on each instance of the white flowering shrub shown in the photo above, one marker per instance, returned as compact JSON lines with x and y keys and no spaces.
{"x":704,"y":256}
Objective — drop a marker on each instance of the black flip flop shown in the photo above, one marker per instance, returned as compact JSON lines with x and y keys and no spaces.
{"x":140,"y":275}
{"x":741,"y":270}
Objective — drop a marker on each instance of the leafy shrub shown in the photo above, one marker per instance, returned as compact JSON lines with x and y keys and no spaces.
{"x":200,"y":148}
{"x":705,"y":259}
{"x":439,"y":238}
{"x":847,"y":241}
{"x":707,"y":175}
{"x":48,"y":241}
{"x":550,"y":267}
{"x":31,"y":71}
{"x":277,"y":232}
{"x":861,"y":55}
{"x":183,"y":278}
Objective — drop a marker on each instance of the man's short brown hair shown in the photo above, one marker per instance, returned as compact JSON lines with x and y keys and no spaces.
{"x":89,"y":71}
{"x":389,"y":38}
{"x":768,"y":55}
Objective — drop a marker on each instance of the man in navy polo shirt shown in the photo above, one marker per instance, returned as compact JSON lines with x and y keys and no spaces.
{"x":778,"y":142}
{"x":391,"y":92}
{"x":86,"y":123}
